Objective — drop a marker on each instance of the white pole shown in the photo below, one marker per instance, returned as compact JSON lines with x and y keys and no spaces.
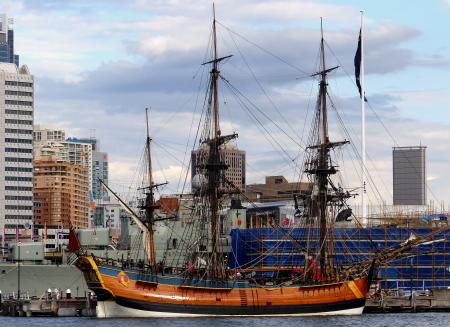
{"x":363,"y":129}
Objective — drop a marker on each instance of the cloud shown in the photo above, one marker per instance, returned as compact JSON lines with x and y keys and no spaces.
{"x":98,"y":64}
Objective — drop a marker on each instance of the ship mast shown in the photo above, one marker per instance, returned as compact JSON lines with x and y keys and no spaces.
{"x":214,"y":160}
{"x":320,"y":166}
{"x":214,"y":166}
{"x":150,"y":205}
{"x":323,"y":160}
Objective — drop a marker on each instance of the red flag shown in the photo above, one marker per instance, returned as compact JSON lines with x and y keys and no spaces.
{"x":74,"y":243}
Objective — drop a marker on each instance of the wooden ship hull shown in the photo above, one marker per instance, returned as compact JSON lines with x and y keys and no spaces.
{"x":129,"y":293}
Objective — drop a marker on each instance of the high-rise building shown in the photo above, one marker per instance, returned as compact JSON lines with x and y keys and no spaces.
{"x":79,"y":152}
{"x":16,"y":147}
{"x":100,"y":168}
{"x":7,"y":41}
{"x":83,"y":151}
{"x":44,"y":137}
{"x":99,"y":171}
{"x":230,"y":156}
{"x":60,"y":193}
{"x":409,"y":175}
{"x":47,"y":142}
{"x":91,"y":140}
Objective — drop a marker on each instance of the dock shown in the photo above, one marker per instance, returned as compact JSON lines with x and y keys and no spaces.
{"x":50,"y":305}
{"x":437,"y":300}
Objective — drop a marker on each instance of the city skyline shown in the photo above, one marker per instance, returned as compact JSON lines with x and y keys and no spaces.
{"x":107,"y":61}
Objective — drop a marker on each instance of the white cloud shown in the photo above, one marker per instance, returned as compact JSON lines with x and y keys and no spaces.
{"x":108,"y":66}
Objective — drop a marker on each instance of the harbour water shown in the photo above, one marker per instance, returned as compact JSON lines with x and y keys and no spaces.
{"x":440,"y":319}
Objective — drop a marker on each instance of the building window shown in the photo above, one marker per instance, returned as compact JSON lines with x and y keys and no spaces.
{"x":18,"y":112}
{"x":24,"y":141}
{"x":18,"y":178}
{"x":14,"y":207}
{"x":17,"y":188}
{"x":20,"y":169}
{"x":27,"y":217}
{"x":9,"y":159}
{"x":15,"y":83}
{"x":18,"y":121}
{"x":18,"y":197}
{"x":21,"y":93}
{"x":21,"y":103}
{"x":18,"y":150}
{"x":18,"y":131}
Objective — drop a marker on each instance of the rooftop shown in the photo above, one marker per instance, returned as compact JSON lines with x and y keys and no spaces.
{"x":10,"y":68}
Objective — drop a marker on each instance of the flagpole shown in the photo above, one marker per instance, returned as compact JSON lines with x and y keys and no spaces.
{"x":363,"y":130}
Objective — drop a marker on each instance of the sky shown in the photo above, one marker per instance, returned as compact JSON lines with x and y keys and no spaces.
{"x":97,"y":64}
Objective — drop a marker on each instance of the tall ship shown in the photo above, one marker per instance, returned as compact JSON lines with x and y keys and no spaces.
{"x":207,"y":280}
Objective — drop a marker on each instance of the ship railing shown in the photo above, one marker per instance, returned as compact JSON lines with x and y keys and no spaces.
{"x":71,"y":259}
{"x":197,"y":281}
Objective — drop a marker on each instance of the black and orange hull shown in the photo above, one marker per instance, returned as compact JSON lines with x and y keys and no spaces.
{"x":123,"y":293}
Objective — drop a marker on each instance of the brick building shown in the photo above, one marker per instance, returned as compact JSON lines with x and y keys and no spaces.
{"x":60,"y":193}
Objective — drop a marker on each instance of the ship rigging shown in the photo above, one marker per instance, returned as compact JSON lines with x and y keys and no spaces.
{"x":201,"y":282}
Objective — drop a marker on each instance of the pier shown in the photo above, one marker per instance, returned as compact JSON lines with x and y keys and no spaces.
{"x":437,"y":300}
{"x":50,"y":304}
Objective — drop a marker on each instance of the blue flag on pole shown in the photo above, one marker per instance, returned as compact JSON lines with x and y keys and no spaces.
{"x":357,"y":62}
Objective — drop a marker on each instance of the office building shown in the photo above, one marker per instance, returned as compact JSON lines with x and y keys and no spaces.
{"x":44,"y":138}
{"x":276,"y":188}
{"x":7,"y":41}
{"x":230,"y":156}
{"x":48,"y":143}
{"x":99,"y":172}
{"x":106,"y":214}
{"x":99,"y":166}
{"x":60,"y":193}
{"x":409,"y":175}
{"x":16,"y":146}
{"x":83,"y":151}
{"x":78,"y":152}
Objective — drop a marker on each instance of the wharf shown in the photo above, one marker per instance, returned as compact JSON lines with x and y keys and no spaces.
{"x":438,"y":300}
{"x":50,"y":306}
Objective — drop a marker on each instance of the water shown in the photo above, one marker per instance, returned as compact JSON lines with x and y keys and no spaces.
{"x":372,"y":320}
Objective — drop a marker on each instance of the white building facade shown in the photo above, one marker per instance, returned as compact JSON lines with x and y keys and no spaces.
{"x":16,"y":146}
{"x":43,"y":137}
{"x":106,"y":213}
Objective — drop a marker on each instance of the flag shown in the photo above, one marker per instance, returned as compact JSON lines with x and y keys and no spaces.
{"x":45,"y":232}
{"x":357,"y":62}
{"x":91,"y":200}
{"x":74,"y":243}
{"x":17,"y":233}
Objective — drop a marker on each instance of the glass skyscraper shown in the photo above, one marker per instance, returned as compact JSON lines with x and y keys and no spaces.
{"x":7,"y":41}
